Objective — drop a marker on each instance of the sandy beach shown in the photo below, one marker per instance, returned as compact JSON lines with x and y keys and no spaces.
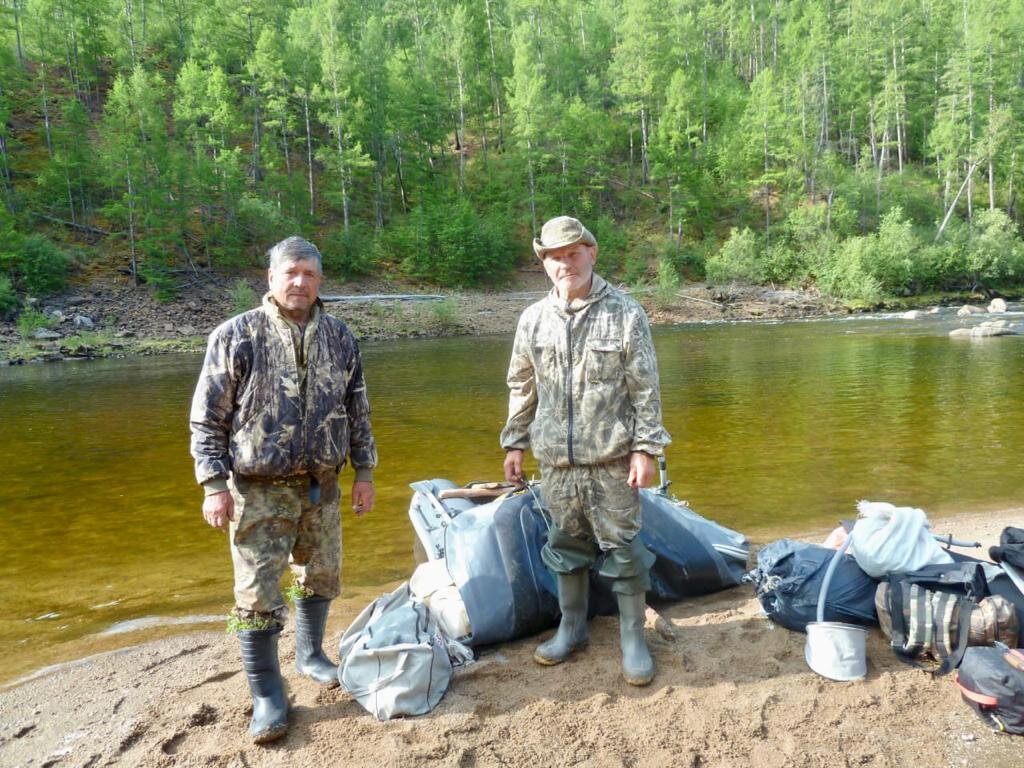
{"x":732,"y":689}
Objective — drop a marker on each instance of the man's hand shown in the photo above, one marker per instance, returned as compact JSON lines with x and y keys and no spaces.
{"x":641,"y":470}
{"x":514,"y":466}
{"x":362,"y":497}
{"x":219,"y":509}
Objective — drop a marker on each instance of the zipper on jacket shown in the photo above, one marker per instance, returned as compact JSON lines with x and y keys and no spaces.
{"x":568,"y":383}
{"x":305,"y":382}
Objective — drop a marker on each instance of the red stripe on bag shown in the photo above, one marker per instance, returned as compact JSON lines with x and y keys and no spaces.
{"x":977,"y":698}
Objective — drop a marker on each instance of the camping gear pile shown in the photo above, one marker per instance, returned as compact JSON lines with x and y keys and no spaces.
{"x":941,"y":610}
{"x":484,"y":583}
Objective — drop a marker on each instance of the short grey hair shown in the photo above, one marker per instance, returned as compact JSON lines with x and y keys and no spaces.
{"x":294,"y":248}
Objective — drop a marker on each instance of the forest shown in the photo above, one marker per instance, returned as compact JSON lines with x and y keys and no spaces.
{"x":869,"y":148}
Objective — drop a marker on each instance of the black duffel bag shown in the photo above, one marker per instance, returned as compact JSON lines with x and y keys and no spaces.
{"x":991,"y":680}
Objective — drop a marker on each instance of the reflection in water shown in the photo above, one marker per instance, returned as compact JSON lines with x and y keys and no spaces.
{"x":776,"y":428}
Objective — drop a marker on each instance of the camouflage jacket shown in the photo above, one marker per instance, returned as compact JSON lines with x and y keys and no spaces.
{"x":251,"y":416}
{"x":583,"y":381}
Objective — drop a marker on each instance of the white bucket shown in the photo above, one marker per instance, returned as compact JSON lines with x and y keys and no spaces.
{"x":835,"y":650}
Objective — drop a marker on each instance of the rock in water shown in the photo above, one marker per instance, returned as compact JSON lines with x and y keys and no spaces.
{"x":997,"y":305}
{"x":969,"y":309}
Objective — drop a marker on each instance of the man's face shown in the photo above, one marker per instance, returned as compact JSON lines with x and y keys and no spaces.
{"x":570,"y":269}
{"x":294,"y":286}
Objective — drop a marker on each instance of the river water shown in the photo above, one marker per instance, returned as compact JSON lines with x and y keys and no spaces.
{"x":777,"y":428}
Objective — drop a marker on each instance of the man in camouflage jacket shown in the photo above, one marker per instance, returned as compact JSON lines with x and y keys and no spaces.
{"x":584,"y":397}
{"x":279,"y":409}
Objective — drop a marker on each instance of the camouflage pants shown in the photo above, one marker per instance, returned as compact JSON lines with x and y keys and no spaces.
{"x":276,"y":526}
{"x":594,"y":511}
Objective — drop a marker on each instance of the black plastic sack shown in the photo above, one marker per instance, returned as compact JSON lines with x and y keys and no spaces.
{"x":991,"y":680}
{"x":1011,"y":547}
{"x":788,"y":579}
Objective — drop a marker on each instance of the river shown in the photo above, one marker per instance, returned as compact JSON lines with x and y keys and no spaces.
{"x":777,"y":428}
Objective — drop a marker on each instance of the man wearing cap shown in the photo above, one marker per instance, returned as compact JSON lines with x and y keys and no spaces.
{"x":584,"y":397}
{"x":279,"y":409}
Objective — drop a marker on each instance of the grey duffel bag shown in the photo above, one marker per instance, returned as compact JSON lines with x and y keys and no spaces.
{"x":394,"y":660}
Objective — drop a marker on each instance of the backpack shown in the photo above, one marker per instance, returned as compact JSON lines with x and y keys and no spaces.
{"x":939,"y":610}
{"x":394,"y":661}
{"x":991,"y":681}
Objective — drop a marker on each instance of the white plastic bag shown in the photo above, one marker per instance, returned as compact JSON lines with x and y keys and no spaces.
{"x":888,"y":539}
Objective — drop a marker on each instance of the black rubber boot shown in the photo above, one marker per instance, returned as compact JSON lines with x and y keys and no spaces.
{"x":637,"y":664}
{"x":310,"y":660}
{"x":573,"y":594}
{"x":269,"y":703}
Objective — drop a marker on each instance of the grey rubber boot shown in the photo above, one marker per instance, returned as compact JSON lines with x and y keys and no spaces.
{"x":269,"y":703}
{"x":573,"y":594}
{"x":310,"y":621}
{"x":637,"y":664}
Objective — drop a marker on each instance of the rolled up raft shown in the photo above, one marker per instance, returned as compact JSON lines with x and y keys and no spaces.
{"x":492,"y":552}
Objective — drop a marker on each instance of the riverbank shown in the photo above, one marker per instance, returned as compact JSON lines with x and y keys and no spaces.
{"x":732,"y":689}
{"x":109,"y":317}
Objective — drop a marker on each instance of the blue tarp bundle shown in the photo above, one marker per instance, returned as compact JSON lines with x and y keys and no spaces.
{"x":492,"y":552}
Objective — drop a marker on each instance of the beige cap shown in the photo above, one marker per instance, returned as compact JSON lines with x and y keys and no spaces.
{"x":560,"y":232}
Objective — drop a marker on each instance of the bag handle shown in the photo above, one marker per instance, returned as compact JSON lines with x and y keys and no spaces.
{"x":978,"y":698}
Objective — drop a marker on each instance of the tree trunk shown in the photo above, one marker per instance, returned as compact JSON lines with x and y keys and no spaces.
{"x":949,"y":211}
{"x":460,"y":140}
{"x":131,"y":221}
{"x":17,"y":32}
{"x":495,"y":88}
{"x":645,"y":167}
{"x":991,"y":170}
{"x":309,"y":153}
{"x":1009,"y":186}
{"x":398,"y":173}
{"x":46,"y":109}
{"x":130,"y":28}
{"x":529,"y":177}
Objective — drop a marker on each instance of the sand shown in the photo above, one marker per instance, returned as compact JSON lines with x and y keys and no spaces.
{"x":732,"y":690}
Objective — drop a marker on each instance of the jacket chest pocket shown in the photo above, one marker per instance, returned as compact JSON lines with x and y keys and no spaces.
{"x":604,"y":360}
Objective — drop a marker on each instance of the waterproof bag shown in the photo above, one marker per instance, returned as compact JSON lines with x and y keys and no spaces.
{"x":991,"y":680}
{"x":788,"y":579}
{"x":394,"y":661}
{"x":930,"y":612}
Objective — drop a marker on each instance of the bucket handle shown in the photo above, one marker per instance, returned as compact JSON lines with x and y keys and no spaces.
{"x":833,"y":564}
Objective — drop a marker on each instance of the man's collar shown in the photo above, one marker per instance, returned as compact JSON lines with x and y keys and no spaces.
{"x":272,"y":308}
{"x":598,"y":287}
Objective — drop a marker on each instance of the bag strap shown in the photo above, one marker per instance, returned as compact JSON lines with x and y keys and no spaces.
{"x":964,"y":607}
{"x":978,"y":698}
{"x":907,"y":641}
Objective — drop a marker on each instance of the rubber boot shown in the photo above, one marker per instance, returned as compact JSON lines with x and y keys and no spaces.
{"x":637,"y":664}
{"x":573,"y":593}
{"x":269,"y":704}
{"x":310,"y":660}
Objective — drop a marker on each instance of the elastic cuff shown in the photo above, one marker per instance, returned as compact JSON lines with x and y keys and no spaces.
{"x":217,"y":485}
{"x":654,"y":451}
{"x":364,"y":474}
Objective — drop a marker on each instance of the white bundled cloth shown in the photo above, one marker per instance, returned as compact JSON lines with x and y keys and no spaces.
{"x":888,"y":539}
{"x":432,"y":584}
